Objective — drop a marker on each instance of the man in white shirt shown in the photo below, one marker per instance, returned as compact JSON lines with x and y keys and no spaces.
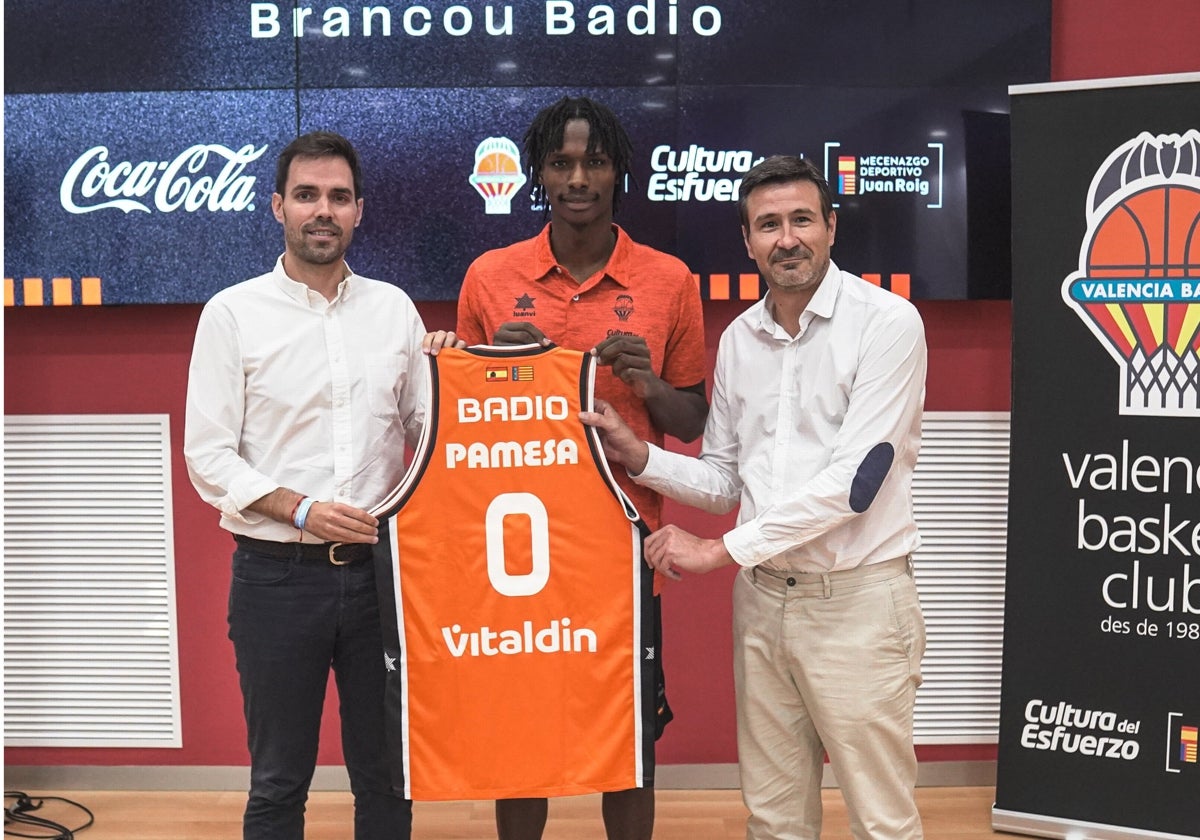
{"x":814,"y":430}
{"x":304,"y":385}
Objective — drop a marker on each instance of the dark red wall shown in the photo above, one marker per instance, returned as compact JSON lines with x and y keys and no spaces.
{"x":133,"y":360}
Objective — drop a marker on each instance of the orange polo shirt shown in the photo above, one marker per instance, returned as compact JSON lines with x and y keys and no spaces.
{"x":640,"y":292}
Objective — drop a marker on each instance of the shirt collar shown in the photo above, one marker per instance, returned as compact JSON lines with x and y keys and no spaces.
{"x":618,"y":267}
{"x":825,"y":298}
{"x":299,"y":292}
{"x":823,"y":301}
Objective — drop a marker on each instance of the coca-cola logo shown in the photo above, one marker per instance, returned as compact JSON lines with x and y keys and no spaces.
{"x":189,"y":182}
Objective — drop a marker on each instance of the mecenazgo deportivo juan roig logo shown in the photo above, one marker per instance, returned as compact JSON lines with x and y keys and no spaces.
{"x":1138,"y":283}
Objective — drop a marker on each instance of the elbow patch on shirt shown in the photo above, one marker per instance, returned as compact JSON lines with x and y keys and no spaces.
{"x":871,"y":473}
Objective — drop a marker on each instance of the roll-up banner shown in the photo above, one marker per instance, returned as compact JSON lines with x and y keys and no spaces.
{"x":1100,"y":699}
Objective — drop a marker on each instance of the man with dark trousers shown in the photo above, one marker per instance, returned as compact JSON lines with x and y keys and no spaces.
{"x":304,"y":385}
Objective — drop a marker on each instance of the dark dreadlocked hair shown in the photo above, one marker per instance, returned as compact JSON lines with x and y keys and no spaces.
{"x":605,"y":134}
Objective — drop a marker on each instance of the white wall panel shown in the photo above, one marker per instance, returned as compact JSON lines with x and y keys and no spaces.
{"x":960,"y":494}
{"x":90,"y":642}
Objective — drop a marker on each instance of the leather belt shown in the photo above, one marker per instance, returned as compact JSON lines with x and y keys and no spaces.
{"x":339,"y":554}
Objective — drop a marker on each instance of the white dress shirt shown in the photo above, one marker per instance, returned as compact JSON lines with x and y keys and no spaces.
{"x":800,"y":431}
{"x":287,"y":389}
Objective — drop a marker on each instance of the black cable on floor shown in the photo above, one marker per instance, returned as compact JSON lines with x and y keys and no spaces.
{"x":20,"y":812}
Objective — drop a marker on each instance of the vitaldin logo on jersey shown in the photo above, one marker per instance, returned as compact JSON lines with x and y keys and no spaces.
{"x":556,"y":637}
{"x":1137,"y":287}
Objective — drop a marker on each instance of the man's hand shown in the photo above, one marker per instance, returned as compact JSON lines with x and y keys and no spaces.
{"x":328,"y":521}
{"x":670,"y":550}
{"x":676,"y":411}
{"x":336,"y":522}
{"x":629,"y":358}
{"x":619,"y":441}
{"x":519,"y":332}
{"x":435,"y":342}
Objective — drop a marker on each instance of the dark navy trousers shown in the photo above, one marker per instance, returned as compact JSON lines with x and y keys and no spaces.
{"x":290,"y":621}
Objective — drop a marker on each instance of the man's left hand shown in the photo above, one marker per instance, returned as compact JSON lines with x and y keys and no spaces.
{"x":434,"y":342}
{"x":338,"y":522}
{"x":629,"y":358}
{"x":671,"y":549}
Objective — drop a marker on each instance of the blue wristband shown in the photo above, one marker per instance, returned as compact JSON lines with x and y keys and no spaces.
{"x":302,"y":512}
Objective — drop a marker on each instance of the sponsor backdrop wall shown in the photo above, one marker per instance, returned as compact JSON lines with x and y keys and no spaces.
{"x":1101,"y":694}
{"x":140,"y":136}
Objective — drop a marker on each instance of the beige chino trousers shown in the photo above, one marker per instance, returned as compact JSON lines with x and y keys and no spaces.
{"x":828,"y":663}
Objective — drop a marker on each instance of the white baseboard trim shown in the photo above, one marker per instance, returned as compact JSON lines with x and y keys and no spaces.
{"x":44,"y":779}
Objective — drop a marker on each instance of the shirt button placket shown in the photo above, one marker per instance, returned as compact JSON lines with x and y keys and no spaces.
{"x":789,"y":396}
{"x":339,"y":371}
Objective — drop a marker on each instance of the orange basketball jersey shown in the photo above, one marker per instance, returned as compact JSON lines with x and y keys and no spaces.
{"x":521,"y":636}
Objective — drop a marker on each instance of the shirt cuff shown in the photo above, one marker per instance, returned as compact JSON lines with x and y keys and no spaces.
{"x":741,"y":545}
{"x":653,"y":470}
{"x":244,"y":491}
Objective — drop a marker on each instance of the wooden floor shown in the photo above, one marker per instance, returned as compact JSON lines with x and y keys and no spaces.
{"x":962,"y":813}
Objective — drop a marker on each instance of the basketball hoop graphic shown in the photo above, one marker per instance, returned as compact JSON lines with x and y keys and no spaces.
{"x":1138,"y":283}
{"x":497,"y":175}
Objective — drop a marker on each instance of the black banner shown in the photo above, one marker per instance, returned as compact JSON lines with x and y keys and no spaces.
{"x":140,"y":136}
{"x":1101,"y":690}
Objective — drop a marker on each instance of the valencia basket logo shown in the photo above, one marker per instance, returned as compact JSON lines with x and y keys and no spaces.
{"x":497,"y":174}
{"x":1138,"y":282}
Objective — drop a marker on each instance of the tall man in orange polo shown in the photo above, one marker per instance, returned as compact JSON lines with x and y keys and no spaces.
{"x":582,"y":283}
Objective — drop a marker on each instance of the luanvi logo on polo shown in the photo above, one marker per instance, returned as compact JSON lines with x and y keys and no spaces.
{"x":206,"y":176}
{"x":523,"y":306}
{"x":1138,"y":283}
